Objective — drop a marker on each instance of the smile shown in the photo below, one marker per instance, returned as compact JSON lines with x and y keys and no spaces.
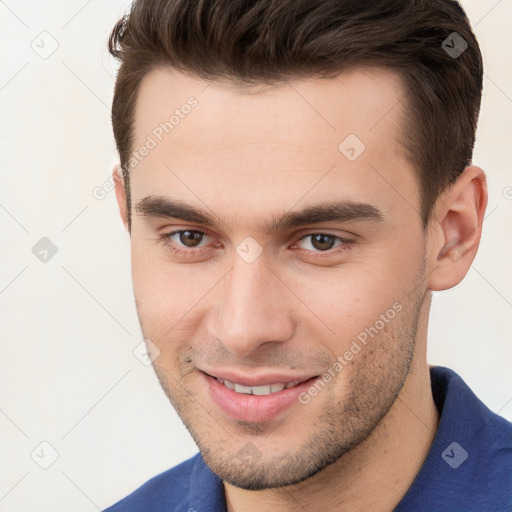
{"x":266,"y":389}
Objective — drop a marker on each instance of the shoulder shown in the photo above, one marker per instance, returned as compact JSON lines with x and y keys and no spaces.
{"x":463,"y":410}
{"x":469,"y":465}
{"x":466,"y":418}
{"x":166,"y":489}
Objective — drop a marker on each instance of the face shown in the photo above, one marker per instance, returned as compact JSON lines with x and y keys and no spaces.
{"x":277,"y":255}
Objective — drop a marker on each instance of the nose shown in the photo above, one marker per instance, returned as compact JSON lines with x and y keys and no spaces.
{"x":251,"y":308}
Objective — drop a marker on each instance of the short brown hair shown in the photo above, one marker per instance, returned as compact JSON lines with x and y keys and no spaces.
{"x":263,"y":42}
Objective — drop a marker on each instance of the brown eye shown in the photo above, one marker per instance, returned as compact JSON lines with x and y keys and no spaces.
{"x":322,"y":242}
{"x":191,"y":238}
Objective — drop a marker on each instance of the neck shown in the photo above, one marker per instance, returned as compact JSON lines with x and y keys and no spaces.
{"x":377,"y":473}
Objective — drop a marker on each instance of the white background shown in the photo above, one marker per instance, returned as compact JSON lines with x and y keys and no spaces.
{"x":68,"y":376}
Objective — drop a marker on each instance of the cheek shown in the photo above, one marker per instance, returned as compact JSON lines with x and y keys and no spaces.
{"x":167,"y":310}
{"x":156,"y":288}
{"x":345,"y":300}
{"x":167,"y":294}
{"x":358,"y":301}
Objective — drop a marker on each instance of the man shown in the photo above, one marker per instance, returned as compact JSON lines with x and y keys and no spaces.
{"x":296,"y":179}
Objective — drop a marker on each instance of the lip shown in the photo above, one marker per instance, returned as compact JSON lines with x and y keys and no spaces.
{"x":254,"y":408}
{"x":255,"y":380}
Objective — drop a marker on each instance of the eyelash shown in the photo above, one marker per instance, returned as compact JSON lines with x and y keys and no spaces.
{"x":345,"y":244}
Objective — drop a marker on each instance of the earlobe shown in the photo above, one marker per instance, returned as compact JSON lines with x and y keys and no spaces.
{"x":456,"y":229}
{"x":120,"y":193}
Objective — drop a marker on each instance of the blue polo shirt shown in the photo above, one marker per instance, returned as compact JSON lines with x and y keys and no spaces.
{"x":468,"y":468}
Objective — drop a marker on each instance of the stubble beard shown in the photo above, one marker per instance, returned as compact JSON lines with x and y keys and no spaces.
{"x":378,"y":374}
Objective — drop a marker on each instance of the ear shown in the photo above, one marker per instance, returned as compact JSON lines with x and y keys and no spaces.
{"x":456,"y":228}
{"x":119,"y":185}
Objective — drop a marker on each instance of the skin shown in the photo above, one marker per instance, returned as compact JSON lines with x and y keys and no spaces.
{"x":247,"y":159}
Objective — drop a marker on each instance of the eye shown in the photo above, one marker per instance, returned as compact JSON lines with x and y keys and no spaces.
{"x":188,"y":238}
{"x":194,"y":243}
{"x":186,"y":242}
{"x":321,"y":242}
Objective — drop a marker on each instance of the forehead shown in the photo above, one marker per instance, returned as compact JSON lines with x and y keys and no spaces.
{"x":213,"y":137}
{"x":356,"y":101}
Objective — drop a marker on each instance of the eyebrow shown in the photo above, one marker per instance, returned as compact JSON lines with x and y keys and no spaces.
{"x":339,"y":211}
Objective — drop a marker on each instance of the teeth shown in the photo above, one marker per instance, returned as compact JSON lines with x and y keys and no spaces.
{"x":228,"y":384}
{"x":258,"y":390}
{"x":243,"y":389}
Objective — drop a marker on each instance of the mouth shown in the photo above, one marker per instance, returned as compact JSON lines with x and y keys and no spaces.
{"x":262,"y":390}
{"x":255,"y":400}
